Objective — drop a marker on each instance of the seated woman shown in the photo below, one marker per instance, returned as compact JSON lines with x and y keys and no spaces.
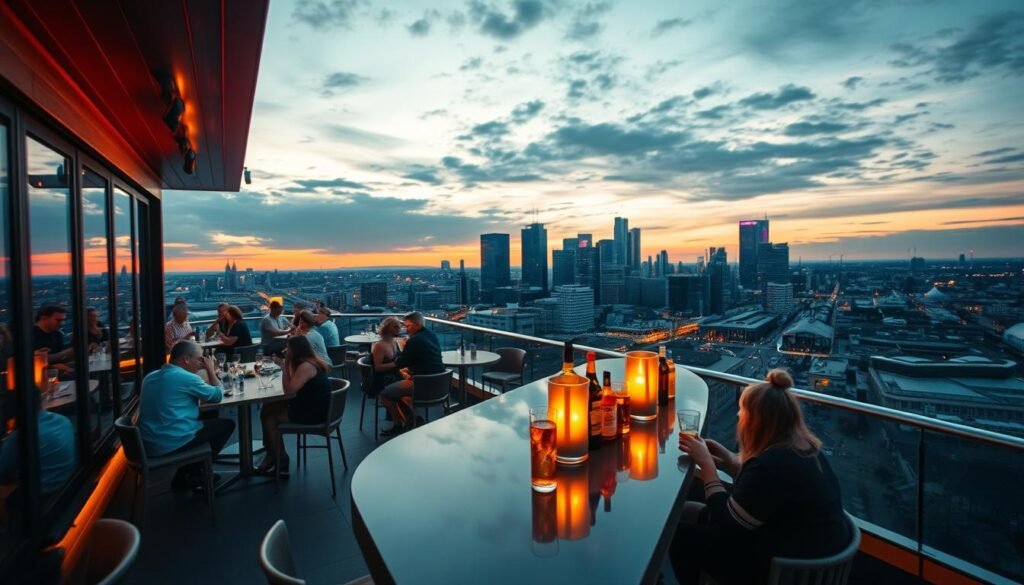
{"x":785,"y":501}
{"x":384,"y":353}
{"x":237,"y":334}
{"x":305,"y":376}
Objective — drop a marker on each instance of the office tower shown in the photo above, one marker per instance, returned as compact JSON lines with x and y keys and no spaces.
{"x":575,"y":308}
{"x":700,"y":264}
{"x":779,"y":298}
{"x":462,"y":293}
{"x":535,"y":256}
{"x":634,"y":250}
{"x":563,"y":267}
{"x":374,"y":294}
{"x":607,"y":250}
{"x":963,"y":260}
{"x":494,"y":263}
{"x":772,"y":264}
{"x":613,"y":284}
{"x":752,"y":233}
{"x":685,"y":293}
{"x":654,"y":292}
{"x":916,"y":265}
{"x":621,"y":235}
{"x":446,"y":265}
{"x":717,"y":278}
{"x":661,"y":269}
{"x":588,"y":270}
{"x":584,"y":240}
{"x":570,"y":243}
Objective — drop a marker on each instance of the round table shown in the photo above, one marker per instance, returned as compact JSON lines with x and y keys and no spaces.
{"x":460,"y":360}
{"x":362,"y":339}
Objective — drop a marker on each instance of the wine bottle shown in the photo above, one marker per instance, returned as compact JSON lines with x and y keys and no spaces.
{"x":671,"y":376}
{"x":662,"y":376}
{"x":595,"y":401}
{"x":609,"y":410}
{"x":567,"y":358}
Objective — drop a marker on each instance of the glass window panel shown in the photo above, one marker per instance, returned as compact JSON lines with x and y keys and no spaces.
{"x":97,"y":301}
{"x":127,"y":324}
{"x":49,"y":211}
{"x":141,"y":212}
{"x":11,"y":519}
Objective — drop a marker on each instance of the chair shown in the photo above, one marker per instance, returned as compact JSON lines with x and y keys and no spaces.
{"x":431,"y":389}
{"x":277,"y":562}
{"x":335,"y":411}
{"x":366,"y":375}
{"x":509,"y":368}
{"x":147,"y":467}
{"x":113,"y":546}
{"x":833,"y":570}
{"x":247,"y":353}
{"x":337,"y":355}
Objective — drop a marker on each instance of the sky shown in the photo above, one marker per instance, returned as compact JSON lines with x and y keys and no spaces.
{"x":396,"y":133}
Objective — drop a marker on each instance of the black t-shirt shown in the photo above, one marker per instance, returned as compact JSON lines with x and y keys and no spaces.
{"x":103,"y":336}
{"x":51,"y":341}
{"x":241,"y":331}
{"x":422,"y":354}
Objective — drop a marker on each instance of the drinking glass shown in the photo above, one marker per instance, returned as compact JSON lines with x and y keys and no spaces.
{"x":689,"y":422}
{"x":622,"y":399}
{"x":221,"y":360}
{"x":543,"y":451}
{"x":52,"y":375}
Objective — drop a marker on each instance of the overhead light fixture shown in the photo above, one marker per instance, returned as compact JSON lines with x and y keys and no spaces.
{"x":248,"y":175}
{"x":172,"y":117}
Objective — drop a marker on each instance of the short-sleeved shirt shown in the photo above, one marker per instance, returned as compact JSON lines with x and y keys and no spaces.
{"x":241,"y":331}
{"x":53,"y":341}
{"x":268,"y":324}
{"x":422,"y":354}
{"x":169,"y":408}
{"x":329,"y":331}
{"x":319,"y":347}
{"x":175,"y":332}
{"x":57,"y":454}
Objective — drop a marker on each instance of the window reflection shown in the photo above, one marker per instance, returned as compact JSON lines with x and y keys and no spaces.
{"x":49,"y":198}
{"x":11,"y":522}
{"x":127,"y":308}
{"x":97,"y":302}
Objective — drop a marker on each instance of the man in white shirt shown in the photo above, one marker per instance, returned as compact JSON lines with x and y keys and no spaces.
{"x":177,"y":328}
{"x":274,"y":325}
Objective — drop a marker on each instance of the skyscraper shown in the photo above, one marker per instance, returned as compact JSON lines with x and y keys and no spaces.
{"x":752,"y":233}
{"x":685,"y":293}
{"x":575,"y":308}
{"x":621,"y":236}
{"x":772,"y":265}
{"x":634,"y":250}
{"x":535,"y":256}
{"x":563,"y":267}
{"x":588,"y":270}
{"x":607,"y":251}
{"x":717,"y":277}
{"x":570,"y":243}
{"x":494,"y":263}
{"x":446,"y":265}
{"x":584,"y":240}
{"x":661,"y":266}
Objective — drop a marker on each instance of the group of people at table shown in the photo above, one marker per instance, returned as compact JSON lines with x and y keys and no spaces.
{"x":785,"y":500}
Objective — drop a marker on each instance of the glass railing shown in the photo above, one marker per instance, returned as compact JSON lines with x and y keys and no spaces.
{"x":945,"y":491}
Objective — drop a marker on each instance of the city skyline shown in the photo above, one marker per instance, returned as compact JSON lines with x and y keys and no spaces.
{"x":858,"y":129}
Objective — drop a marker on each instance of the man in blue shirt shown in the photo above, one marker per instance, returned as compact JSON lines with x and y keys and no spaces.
{"x":169,"y":406}
{"x":57,"y":455}
{"x":327,"y":329}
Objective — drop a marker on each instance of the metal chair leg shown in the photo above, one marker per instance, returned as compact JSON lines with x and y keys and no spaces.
{"x":209,"y":489}
{"x":330,"y":466}
{"x":298,"y":452}
{"x":362,"y":411}
{"x":341,"y":447}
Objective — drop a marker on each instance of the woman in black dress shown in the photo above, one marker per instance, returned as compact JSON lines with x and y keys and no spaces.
{"x":785,"y":500}
{"x":305,"y":376}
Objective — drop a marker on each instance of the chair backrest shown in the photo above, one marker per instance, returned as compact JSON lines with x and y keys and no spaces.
{"x":337,"y":354}
{"x":365,"y":364}
{"x":513,"y":360}
{"x":431,"y":388}
{"x":833,"y":570}
{"x":247,"y":353}
{"x":276,"y":557}
{"x":113,"y":546}
{"x":339,"y":393}
{"x":131,"y":440}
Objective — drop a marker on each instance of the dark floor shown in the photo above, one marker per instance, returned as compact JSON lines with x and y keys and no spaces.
{"x":180,"y":545}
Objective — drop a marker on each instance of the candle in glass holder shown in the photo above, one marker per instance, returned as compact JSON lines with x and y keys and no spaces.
{"x":573,"y":502}
{"x":39,"y":363}
{"x":642,"y":384}
{"x":568,"y":402}
{"x":643,"y":446}
{"x":10,"y":373}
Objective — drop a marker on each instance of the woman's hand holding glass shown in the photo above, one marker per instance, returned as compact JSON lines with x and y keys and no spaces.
{"x":697,"y":449}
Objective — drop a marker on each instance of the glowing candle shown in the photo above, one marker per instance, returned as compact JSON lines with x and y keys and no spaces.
{"x":642,"y":384}
{"x":39,"y":363}
{"x":10,"y":373}
{"x":568,"y":406}
{"x":573,"y":502}
{"x":643,"y":445}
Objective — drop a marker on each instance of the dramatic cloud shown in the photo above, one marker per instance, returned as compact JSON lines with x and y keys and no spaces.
{"x":809,"y":128}
{"x":853,"y":82}
{"x":494,"y":22}
{"x":586,"y":21}
{"x":325,"y":14}
{"x":419,"y":28}
{"x":340,"y":80}
{"x":786,"y":95}
{"x":669,"y":24}
{"x":526,"y":111}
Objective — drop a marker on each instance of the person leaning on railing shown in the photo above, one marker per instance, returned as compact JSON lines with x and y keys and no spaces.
{"x":785,"y":500}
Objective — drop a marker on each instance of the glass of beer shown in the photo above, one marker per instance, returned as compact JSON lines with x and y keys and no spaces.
{"x":689,"y":422}
{"x":622,"y":399}
{"x":542,"y":450}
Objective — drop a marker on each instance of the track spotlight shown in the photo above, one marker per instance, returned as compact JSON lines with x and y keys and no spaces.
{"x":172,"y":117}
{"x":190,"y":162}
{"x":248,"y":175}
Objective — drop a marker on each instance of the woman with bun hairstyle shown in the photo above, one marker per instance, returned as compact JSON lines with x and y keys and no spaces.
{"x":785,"y":500}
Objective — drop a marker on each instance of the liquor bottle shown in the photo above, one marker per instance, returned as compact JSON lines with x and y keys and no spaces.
{"x":567,"y":358}
{"x":595,"y":401}
{"x":609,"y":411}
{"x":671,"y":375}
{"x":662,"y":376}
{"x":462,"y":348}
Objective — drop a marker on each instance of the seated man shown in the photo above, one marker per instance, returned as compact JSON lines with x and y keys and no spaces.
{"x":421,"y":355}
{"x":327,"y":328}
{"x":57,"y":454}
{"x":274,"y":324}
{"x":220,"y":325}
{"x":47,"y":334}
{"x":177,"y":327}
{"x":169,"y":408}
{"x":237,"y":333}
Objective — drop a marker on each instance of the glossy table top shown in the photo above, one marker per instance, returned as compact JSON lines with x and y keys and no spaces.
{"x":451,"y":502}
{"x":482,"y":358}
{"x":363,"y":339}
{"x":253,"y":392}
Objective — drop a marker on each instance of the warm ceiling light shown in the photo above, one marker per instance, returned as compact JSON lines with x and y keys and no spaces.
{"x":190,"y":162}
{"x":172,"y":117}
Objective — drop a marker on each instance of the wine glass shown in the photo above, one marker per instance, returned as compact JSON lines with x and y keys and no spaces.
{"x":221,"y":360}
